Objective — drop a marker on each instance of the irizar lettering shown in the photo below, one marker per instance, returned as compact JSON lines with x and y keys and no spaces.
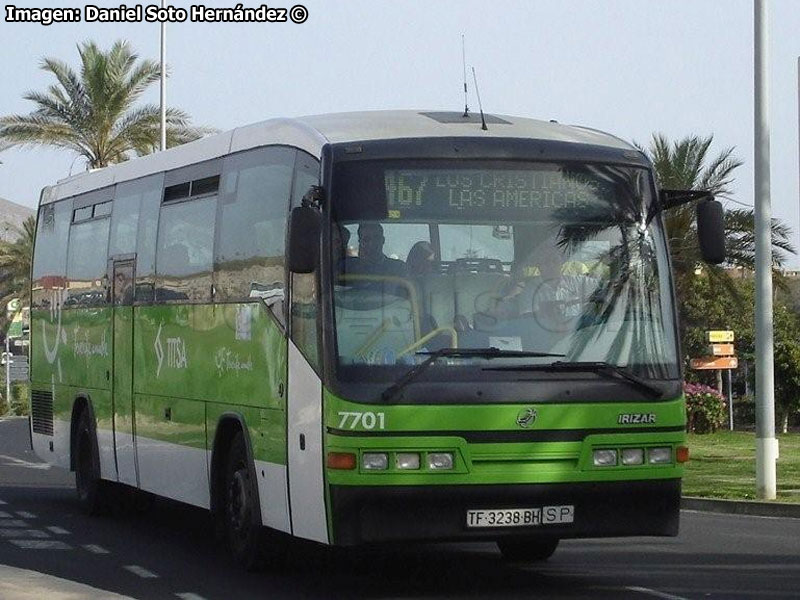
{"x":636,"y":419}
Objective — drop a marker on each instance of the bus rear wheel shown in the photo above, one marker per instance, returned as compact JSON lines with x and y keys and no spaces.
{"x":530,"y":549}
{"x":252,"y":545}
{"x":92,"y":491}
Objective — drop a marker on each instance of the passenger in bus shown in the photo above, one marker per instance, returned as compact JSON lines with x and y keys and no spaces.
{"x":340,"y":238}
{"x":421,"y":264}
{"x":371,"y":260}
{"x":421,"y":260}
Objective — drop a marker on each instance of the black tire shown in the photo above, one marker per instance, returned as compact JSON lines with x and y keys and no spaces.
{"x":93,"y":493}
{"x":531,"y":549}
{"x":252,"y":545}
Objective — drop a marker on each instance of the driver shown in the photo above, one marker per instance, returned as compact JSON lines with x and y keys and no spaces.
{"x":560,"y":296}
{"x":371,"y":260}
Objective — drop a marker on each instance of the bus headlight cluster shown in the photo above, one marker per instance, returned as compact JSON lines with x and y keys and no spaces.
{"x":406,"y":461}
{"x":631,"y":457}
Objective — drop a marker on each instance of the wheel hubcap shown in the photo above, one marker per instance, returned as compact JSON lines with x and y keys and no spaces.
{"x":237,"y":501}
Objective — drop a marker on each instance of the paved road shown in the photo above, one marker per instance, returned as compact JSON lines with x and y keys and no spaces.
{"x":46,"y":545}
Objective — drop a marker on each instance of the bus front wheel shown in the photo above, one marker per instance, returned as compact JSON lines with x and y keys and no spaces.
{"x":92,"y":491}
{"x":531,"y":549}
{"x":252,"y":545}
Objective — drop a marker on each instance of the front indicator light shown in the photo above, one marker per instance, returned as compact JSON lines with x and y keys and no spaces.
{"x":681,"y":454}
{"x":341,"y":460}
{"x":659,"y":456}
{"x":604,"y":458}
{"x":440,"y":461}
{"x":632,"y":456}
{"x":408,"y":461}
{"x":375,"y":461}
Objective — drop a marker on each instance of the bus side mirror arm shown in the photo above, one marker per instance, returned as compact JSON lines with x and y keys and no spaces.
{"x":304,"y":233}
{"x":668,"y":199}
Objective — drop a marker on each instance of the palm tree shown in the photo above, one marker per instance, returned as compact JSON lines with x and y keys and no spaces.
{"x":687,"y":165}
{"x":93,"y":112}
{"x":15,"y":266}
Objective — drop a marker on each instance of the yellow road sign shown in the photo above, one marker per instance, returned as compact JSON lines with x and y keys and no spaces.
{"x":720,"y":336}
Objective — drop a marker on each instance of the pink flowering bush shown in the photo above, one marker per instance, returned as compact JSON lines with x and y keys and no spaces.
{"x":705,"y":408}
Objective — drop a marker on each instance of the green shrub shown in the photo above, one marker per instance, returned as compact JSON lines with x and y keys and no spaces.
{"x":706,"y":410}
{"x":744,"y":412}
{"x":19,"y":399}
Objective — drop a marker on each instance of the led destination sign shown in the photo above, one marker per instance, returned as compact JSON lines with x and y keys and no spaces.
{"x":508,"y":192}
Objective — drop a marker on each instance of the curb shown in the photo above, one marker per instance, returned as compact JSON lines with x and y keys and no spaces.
{"x":742,"y":507}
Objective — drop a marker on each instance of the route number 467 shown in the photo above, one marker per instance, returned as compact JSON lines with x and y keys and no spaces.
{"x":367,"y":420}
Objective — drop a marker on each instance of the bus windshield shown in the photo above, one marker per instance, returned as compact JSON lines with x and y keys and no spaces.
{"x":534,"y":262}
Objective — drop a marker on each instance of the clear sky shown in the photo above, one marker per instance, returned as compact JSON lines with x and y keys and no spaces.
{"x":629,"y":67}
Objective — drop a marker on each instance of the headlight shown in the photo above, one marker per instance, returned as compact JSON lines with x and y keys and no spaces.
{"x":632,"y":456}
{"x":407,"y":461}
{"x":440,"y":461}
{"x":374,"y":461}
{"x":659,"y":456}
{"x":604,"y":458}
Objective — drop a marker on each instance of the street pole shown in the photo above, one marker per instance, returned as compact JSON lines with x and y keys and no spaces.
{"x":766,"y":444}
{"x":8,"y":375}
{"x":163,"y":82}
{"x":730,"y":396}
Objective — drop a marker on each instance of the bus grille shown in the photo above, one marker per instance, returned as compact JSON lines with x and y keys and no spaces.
{"x":42,"y":412}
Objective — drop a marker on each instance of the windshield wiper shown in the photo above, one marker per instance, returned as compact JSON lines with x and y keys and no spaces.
{"x":490,"y":352}
{"x":604,"y":369}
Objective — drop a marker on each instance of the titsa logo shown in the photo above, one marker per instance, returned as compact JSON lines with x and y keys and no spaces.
{"x":526,"y":417}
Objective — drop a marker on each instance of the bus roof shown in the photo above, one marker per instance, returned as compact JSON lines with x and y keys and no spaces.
{"x":311,"y":133}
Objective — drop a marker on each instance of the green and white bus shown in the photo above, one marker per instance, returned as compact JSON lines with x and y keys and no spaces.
{"x":369,"y":327}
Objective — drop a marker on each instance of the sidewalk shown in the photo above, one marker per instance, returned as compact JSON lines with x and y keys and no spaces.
{"x":21,"y":584}
{"x":742,"y":507}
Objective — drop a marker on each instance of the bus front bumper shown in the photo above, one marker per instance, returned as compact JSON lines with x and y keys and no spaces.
{"x":372,"y":514}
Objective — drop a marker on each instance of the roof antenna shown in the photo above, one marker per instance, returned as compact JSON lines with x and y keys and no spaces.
{"x":480,"y":106}
{"x":464,"y":63}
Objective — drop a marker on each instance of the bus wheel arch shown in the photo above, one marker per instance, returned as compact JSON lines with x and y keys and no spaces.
{"x":92,"y":491}
{"x":235,"y":501}
{"x":228,"y":426}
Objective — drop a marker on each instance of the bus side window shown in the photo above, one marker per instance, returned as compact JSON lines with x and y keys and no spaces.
{"x":149,"y":207}
{"x":50,"y":256}
{"x":185,"y":248}
{"x":250,"y":251}
{"x":305,"y":299}
{"x":133,"y":228}
{"x":87,"y":279}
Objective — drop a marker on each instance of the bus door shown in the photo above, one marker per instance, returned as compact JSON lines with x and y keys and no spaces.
{"x":122,"y":282}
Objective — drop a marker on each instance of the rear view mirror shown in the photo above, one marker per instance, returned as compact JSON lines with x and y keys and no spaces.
{"x":711,"y":231}
{"x":304,"y":230}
